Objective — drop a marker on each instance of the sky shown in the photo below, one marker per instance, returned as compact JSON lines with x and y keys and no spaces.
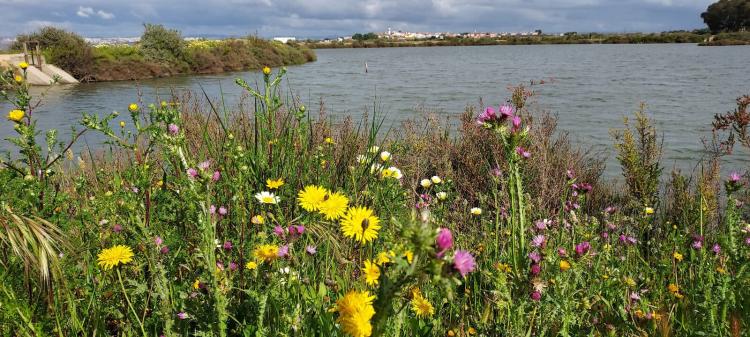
{"x":328,"y":18}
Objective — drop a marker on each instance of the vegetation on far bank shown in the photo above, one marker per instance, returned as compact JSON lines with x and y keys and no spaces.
{"x":161,"y":52}
{"x":198,"y":219}
{"x":701,"y":37}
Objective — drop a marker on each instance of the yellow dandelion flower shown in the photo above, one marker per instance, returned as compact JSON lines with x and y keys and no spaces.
{"x":133,"y":107}
{"x":122,"y":124}
{"x":266,"y":70}
{"x":274,"y":184}
{"x":18,"y":78}
{"x":673,"y":288}
{"x":721,"y":270}
{"x":677,"y":256}
{"x":649,"y":210}
{"x":329,"y":140}
{"x":360,"y":224}
{"x":251,"y":265}
{"x":409,"y":256}
{"x":311,"y":197}
{"x":197,"y":284}
{"x":23,"y":65}
{"x":421,"y":306}
{"x":384,"y":258}
{"x":630,"y":282}
{"x":112,"y":257}
{"x":371,"y":272}
{"x":564,"y":265}
{"x":335,"y":206}
{"x":16,"y":115}
{"x":355,"y":311}
{"x":258,"y":220}
{"x":266,"y":253}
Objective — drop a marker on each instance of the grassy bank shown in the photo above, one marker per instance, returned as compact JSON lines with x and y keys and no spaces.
{"x":592,"y":38}
{"x":267,"y":220}
{"x":162,"y":52}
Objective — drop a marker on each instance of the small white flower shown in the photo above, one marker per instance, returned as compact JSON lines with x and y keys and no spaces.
{"x":266,"y":197}
{"x":385,"y":156}
{"x":426,"y":183}
{"x":392,"y":172}
{"x":436,"y":180}
{"x":442,"y":195}
{"x":476,"y":211}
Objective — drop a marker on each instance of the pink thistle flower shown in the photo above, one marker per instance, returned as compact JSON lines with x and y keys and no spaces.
{"x":506,"y":111}
{"x":535,"y":256}
{"x":486,"y":116}
{"x":233,"y":266}
{"x":227,"y":245}
{"x":463,"y":262}
{"x":536,"y":296}
{"x":734,"y":177}
{"x":222,"y":210}
{"x":535,"y":269}
{"x":192,"y":173}
{"x":747,"y":241}
{"x":716,"y":248}
{"x":538,"y":240}
{"x":173,"y":129}
{"x":444,"y":240}
{"x":216,"y":176}
{"x":516,"y":123}
{"x":561,"y":252}
{"x":117,"y":228}
{"x":311,"y":250}
{"x":284,"y":251}
{"x":164,"y":250}
{"x":204,"y":165}
{"x":523,"y":153}
{"x":158,"y":241}
{"x":582,"y":248}
{"x":279,"y":231}
{"x":182,"y":315}
{"x":212,"y":209}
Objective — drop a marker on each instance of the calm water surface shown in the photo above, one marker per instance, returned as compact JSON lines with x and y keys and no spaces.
{"x":593,"y":87}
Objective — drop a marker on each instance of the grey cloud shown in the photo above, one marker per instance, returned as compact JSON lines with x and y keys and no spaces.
{"x":317,"y":18}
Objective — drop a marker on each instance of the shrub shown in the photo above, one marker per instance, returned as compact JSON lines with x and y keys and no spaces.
{"x":161,"y":44}
{"x":67,"y":50}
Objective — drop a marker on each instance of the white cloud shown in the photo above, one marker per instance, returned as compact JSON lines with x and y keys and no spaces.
{"x":85,"y":12}
{"x":105,"y":15}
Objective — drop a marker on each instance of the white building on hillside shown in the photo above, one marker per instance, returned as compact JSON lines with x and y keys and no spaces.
{"x":285,"y":39}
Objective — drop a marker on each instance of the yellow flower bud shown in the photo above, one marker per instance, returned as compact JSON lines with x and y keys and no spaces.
{"x":266,"y":71}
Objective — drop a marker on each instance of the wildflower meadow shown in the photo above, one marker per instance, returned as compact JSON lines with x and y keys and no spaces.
{"x":266,"y":219}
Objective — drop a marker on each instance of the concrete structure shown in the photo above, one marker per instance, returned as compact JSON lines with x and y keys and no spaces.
{"x":46,"y":74}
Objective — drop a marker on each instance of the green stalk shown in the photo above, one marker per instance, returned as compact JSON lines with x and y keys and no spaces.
{"x":127,"y":299}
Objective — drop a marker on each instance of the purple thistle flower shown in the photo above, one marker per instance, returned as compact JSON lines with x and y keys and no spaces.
{"x":463,"y":262}
{"x":570,"y":174}
{"x":497,"y":172}
{"x":535,"y":256}
{"x":486,"y":116}
{"x":538,"y":240}
{"x":192,"y":173}
{"x":634,"y":296}
{"x":542,"y":224}
{"x":747,"y":241}
{"x":562,"y":252}
{"x":284,"y":251}
{"x":222,"y":210}
{"x":158,"y":241}
{"x":506,"y":111}
{"x":605,"y":235}
{"x":204,"y":165}
{"x":311,"y":250}
{"x":516,"y":123}
{"x":734,"y":177}
{"x":296,"y":230}
{"x":536,"y":296}
{"x":164,"y":250}
{"x":582,"y":248}
{"x":233,"y":266}
{"x":535,"y":269}
{"x":716,"y":248}
{"x":279,"y":231}
{"x":227,"y":245}
{"x":173,"y":129}
{"x":216,"y":176}
{"x":523,"y":153}
{"x":697,"y":242}
{"x":117,"y":228}
{"x":444,"y":240}
{"x":212,"y":209}
{"x":182,"y":315}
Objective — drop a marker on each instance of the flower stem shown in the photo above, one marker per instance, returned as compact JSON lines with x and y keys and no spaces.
{"x":127,"y":299}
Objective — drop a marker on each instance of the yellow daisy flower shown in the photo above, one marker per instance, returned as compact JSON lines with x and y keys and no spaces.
{"x":112,"y":257}
{"x":421,"y":306}
{"x":311,"y":197}
{"x":360,"y":224}
{"x":335,"y":206}
{"x":274,"y":184}
{"x":355,"y":311}
{"x":266,"y":253}
{"x":133,"y":107}
{"x":371,"y":272}
{"x":16,"y":115}
{"x":251,"y":265}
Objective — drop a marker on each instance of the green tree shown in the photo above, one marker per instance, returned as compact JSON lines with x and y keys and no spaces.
{"x":65,"y":49}
{"x":727,"y":15}
{"x":162,"y":44}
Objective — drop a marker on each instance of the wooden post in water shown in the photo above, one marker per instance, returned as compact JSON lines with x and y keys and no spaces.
{"x":25,"y":53}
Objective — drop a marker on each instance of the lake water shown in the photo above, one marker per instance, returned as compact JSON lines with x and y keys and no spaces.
{"x":593,"y":87}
